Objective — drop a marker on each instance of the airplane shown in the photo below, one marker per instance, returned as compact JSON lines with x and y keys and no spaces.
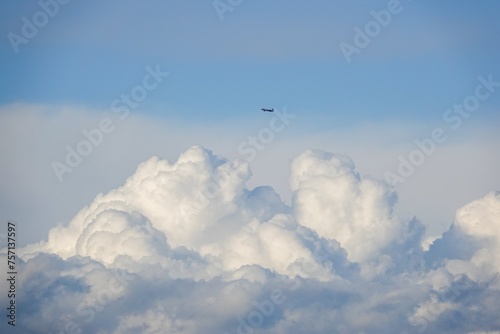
{"x":267,"y":110}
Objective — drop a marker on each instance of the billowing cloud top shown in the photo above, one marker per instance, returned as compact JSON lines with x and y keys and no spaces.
{"x":187,"y":248}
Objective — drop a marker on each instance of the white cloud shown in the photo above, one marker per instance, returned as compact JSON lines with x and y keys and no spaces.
{"x":332,"y":199}
{"x":186,"y":247}
{"x":480,"y":219}
{"x":36,"y":135}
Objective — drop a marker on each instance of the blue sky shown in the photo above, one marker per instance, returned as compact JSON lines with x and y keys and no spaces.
{"x":311,"y":200}
{"x":261,"y":54}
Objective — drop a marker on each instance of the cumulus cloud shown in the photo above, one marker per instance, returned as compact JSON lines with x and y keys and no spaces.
{"x":333,"y":200}
{"x":186,"y":247}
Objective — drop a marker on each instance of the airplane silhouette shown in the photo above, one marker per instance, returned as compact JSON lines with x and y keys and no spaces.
{"x":267,"y":110}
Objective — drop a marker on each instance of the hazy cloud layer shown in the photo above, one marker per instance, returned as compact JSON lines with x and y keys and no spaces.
{"x":186,"y":247}
{"x":36,"y":136}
